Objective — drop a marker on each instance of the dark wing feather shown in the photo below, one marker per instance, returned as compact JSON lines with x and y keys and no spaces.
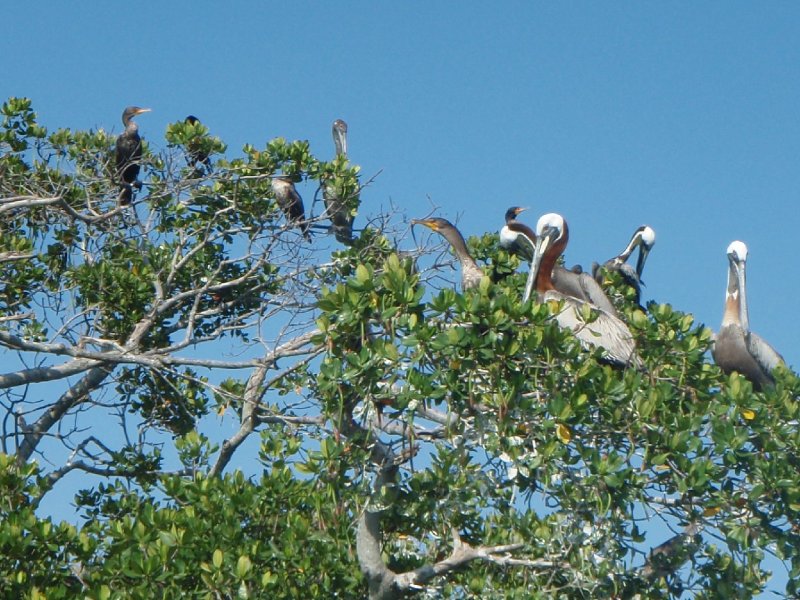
{"x":129,"y":153}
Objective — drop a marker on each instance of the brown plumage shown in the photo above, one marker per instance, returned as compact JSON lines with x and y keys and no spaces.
{"x":606,"y":331}
{"x":291,"y":203}
{"x":471,"y":273}
{"x":570,"y":282}
{"x":337,"y":208}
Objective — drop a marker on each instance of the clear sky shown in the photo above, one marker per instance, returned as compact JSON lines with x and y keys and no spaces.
{"x":682,"y":115}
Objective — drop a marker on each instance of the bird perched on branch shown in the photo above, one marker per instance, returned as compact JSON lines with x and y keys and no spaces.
{"x":510,"y":237}
{"x":606,"y":331}
{"x":291,"y":203}
{"x":644,"y":238}
{"x":736,"y":347}
{"x":337,"y":207}
{"x":128,"y":154}
{"x":570,"y":282}
{"x":471,"y":273}
{"x":195,"y":156}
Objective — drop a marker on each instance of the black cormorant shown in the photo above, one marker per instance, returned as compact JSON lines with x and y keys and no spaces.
{"x":195,"y":156}
{"x":128,"y":155}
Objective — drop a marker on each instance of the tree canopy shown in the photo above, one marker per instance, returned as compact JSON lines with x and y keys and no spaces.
{"x":257,"y":414}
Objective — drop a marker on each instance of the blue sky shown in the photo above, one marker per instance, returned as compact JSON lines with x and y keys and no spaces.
{"x":683,"y":116}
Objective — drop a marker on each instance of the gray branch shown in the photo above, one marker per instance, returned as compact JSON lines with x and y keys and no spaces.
{"x":75,"y":395}
{"x":385,"y":584}
{"x":39,"y":374}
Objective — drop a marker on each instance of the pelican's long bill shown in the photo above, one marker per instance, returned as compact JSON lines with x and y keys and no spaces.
{"x":542,"y":243}
{"x":737,"y":255}
{"x":340,"y":137}
{"x":644,"y":250}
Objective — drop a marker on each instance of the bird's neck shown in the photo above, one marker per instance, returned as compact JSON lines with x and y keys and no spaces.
{"x":626,"y":254}
{"x":544,"y":278}
{"x":731,"y":314}
{"x":459,"y":246}
{"x":735,"y":304}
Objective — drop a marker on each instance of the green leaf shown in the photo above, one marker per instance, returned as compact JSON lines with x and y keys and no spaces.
{"x":216,"y":559}
{"x":243,"y":566}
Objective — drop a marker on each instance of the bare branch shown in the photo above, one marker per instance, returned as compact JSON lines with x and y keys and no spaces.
{"x":39,"y":374}
{"x":12,"y":203}
{"x":252,"y":394}
{"x":75,"y":395}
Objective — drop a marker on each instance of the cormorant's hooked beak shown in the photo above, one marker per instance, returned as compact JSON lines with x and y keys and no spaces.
{"x":143,"y":110}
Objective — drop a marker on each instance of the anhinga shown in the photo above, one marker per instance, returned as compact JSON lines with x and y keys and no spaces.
{"x":471,"y":273}
{"x":644,"y":238}
{"x":736,"y":347}
{"x":606,"y":331}
{"x":128,"y":154}
{"x":291,"y":203}
{"x":195,"y":156}
{"x":571,"y":282}
{"x":336,"y":207}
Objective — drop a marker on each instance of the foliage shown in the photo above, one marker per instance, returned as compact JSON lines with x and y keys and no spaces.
{"x":496,"y":457}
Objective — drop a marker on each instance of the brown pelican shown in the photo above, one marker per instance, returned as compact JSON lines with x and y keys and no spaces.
{"x":291,"y":203}
{"x":128,"y":154}
{"x":336,"y":207}
{"x":471,"y":273}
{"x":736,"y":347}
{"x":571,"y":282}
{"x":606,"y":331}
{"x":644,"y":238}
{"x":196,"y":156}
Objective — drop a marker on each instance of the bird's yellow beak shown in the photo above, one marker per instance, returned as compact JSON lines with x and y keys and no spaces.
{"x":429,"y":224}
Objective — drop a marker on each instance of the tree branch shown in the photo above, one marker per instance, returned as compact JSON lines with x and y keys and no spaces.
{"x":39,"y":374}
{"x":72,"y":397}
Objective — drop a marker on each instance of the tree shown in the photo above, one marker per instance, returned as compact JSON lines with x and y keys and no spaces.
{"x":413,"y":440}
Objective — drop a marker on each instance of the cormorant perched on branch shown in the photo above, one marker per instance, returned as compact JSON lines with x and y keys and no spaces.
{"x":471,"y":273}
{"x":510,"y":239}
{"x":196,"y":157}
{"x":129,"y":152}
{"x":336,"y":207}
{"x":291,"y":203}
